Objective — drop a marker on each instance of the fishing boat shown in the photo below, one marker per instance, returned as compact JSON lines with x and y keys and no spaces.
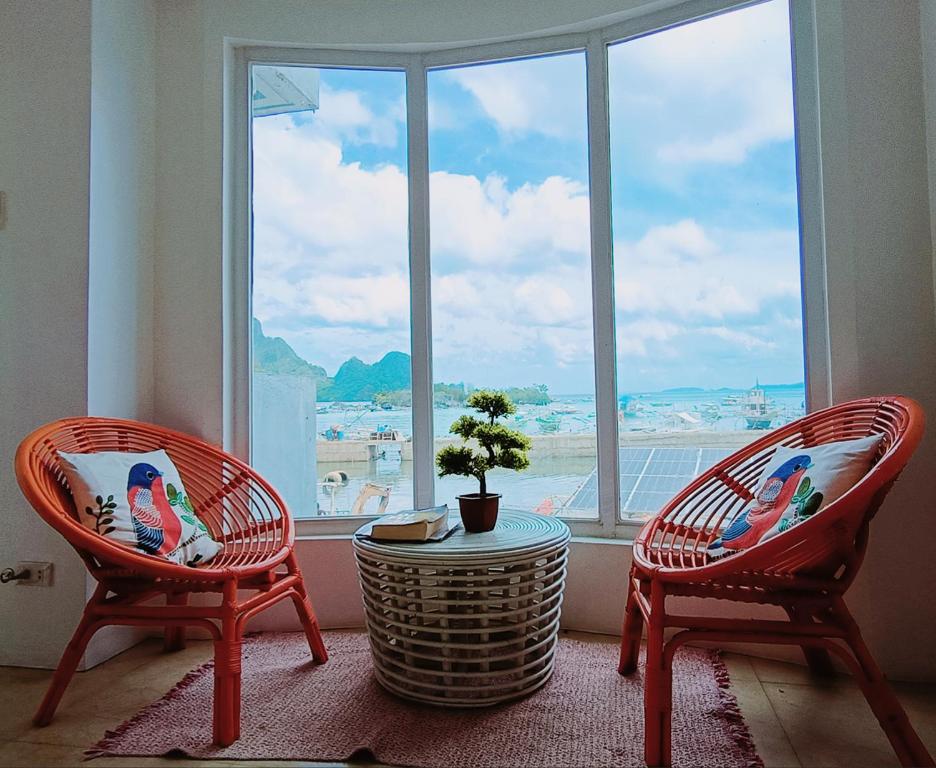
{"x":628,"y":407}
{"x":549,"y":423}
{"x":757,"y":410}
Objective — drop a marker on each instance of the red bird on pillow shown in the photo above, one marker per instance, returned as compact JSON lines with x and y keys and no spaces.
{"x":158,"y":529}
{"x":769,"y":505}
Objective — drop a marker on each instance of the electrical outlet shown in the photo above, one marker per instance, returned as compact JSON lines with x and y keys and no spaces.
{"x":40,"y":574}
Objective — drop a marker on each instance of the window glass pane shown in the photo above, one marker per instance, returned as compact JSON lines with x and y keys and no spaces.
{"x":331,"y":424}
{"x":706,"y":249}
{"x":511,"y":276}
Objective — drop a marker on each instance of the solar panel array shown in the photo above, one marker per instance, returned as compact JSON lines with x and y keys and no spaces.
{"x":650,"y":477}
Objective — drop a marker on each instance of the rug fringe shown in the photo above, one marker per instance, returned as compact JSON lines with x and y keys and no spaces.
{"x":106,"y":744}
{"x":730,"y":712}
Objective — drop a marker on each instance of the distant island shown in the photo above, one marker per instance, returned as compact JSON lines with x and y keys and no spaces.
{"x":388,"y":382}
{"x":702,"y":390}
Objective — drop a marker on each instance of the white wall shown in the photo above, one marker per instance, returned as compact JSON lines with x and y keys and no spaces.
{"x":77,"y":148}
{"x":880,"y":272}
{"x":122,"y":232}
{"x":122,"y":213}
{"x":45,"y":90}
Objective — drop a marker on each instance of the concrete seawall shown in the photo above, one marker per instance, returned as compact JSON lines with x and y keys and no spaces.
{"x":580,"y":445}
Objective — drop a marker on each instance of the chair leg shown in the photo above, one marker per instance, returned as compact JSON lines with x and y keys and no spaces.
{"x":657,"y":684}
{"x":227,"y":672}
{"x":174,"y":638}
{"x":630,"y":634}
{"x":884,"y":704}
{"x":66,"y":667}
{"x":310,"y":624}
{"x":817,"y":659}
{"x":307,"y":615}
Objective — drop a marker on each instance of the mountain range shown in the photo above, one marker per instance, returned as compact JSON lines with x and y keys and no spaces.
{"x":355,"y":381}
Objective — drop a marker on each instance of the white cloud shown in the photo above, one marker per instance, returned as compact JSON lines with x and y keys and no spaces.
{"x":309,"y":205}
{"x":343,"y":115}
{"x":711,"y":91}
{"x":375,"y":300}
{"x":740,"y":338}
{"x":632,"y":337}
{"x":543,"y":95}
{"x":484,"y":223}
{"x":672,"y":244}
{"x":331,"y":249}
{"x":682,"y":271}
{"x":546,"y":301}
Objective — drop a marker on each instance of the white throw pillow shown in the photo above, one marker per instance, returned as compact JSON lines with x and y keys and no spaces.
{"x":795,"y":484}
{"x":138,"y":499}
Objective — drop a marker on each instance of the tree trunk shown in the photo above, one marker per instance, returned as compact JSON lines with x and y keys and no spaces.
{"x":483,"y":480}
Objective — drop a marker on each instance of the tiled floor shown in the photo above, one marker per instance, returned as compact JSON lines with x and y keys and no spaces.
{"x":794,"y":720}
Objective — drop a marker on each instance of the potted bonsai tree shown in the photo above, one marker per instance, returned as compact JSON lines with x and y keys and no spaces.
{"x":488,"y":444}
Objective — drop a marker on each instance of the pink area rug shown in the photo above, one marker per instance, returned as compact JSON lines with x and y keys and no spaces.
{"x":585,"y":716}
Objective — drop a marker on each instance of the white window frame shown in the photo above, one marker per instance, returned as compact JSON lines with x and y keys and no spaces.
{"x":237,"y":289}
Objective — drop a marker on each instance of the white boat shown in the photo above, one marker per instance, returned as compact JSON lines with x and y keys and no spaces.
{"x":757,"y":410}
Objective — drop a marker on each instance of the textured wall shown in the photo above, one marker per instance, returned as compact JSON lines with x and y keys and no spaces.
{"x":45,"y":58}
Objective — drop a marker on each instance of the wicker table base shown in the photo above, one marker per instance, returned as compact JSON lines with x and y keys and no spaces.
{"x":470,"y":621}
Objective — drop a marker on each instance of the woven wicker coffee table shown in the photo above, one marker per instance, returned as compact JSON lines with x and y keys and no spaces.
{"x":470,"y":621}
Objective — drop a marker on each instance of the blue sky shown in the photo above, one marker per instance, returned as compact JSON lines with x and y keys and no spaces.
{"x":704,"y":215}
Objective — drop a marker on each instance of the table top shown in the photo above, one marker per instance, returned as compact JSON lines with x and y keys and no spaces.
{"x":516,"y":532}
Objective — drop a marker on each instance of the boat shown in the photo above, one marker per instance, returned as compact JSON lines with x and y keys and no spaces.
{"x":709,"y":412}
{"x":757,"y":410}
{"x":385,"y":432}
{"x":550,"y":423}
{"x":628,"y":407}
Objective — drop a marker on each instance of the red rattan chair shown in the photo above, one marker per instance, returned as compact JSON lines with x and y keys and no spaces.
{"x":240,"y":509}
{"x":805,"y":570}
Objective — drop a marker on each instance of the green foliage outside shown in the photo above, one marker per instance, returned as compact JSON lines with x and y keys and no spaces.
{"x":497,"y":445}
{"x":444,"y":395}
{"x":357,"y":381}
{"x":538,"y":394}
{"x":449,"y":395}
{"x":271,"y":354}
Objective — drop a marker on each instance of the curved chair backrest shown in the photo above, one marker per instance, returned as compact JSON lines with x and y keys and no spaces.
{"x":241,"y":510}
{"x":820,"y":546}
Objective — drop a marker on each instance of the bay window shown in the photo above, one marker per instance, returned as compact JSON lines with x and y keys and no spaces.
{"x":604,"y":224}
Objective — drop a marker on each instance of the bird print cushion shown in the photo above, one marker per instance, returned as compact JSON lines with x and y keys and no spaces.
{"x":138,"y":499}
{"x":796,"y":484}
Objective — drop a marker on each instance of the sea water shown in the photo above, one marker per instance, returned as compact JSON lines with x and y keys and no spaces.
{"x":548,"y":477}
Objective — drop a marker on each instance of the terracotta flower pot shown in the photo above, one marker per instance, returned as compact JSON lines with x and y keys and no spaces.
{"x":478,"y":513}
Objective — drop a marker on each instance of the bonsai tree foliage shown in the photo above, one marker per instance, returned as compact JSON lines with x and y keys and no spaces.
{"x":497,"y":445}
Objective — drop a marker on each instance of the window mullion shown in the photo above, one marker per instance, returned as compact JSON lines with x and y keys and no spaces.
{"x":417,"y":153}
{"x":599,"y":176}
{"x":813,"y":275}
